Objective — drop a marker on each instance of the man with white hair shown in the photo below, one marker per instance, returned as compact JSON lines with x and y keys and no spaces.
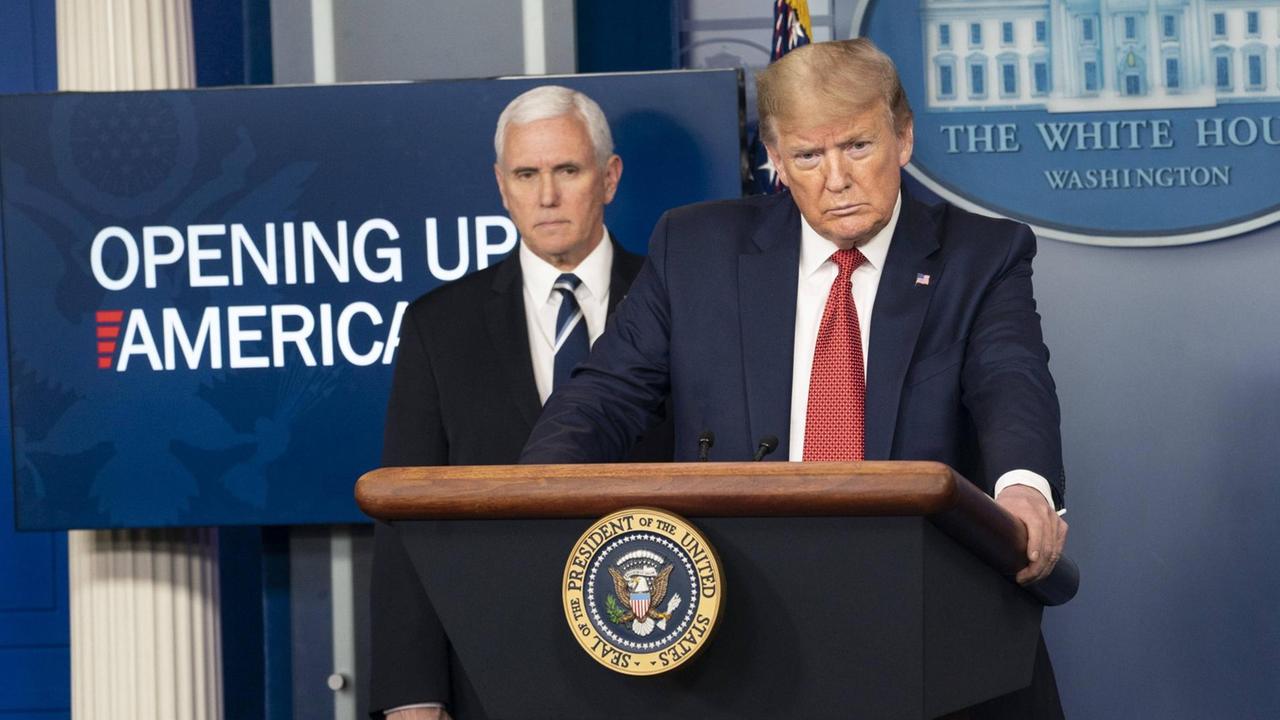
{"x":479,"y":357}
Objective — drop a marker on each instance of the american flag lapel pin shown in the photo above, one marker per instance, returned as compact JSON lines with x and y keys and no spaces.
{"x":922,"y":279}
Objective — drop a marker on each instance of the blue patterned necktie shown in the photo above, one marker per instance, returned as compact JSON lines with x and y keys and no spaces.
{"x":571,"y":344}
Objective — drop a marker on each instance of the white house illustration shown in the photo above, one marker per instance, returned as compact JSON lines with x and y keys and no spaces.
{"x":1091,"y":55}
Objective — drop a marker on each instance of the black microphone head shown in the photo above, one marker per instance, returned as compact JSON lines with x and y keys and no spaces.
{"x":768,"y":444}
{"x":705,"y":441}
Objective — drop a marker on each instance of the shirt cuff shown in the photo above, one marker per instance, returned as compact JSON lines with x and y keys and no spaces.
{"x":1030,"y":479}
{"x":388,"y":711}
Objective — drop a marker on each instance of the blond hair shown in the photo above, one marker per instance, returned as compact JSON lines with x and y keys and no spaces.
{"x":828,"y":81}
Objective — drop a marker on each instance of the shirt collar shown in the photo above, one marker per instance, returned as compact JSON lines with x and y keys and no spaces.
{"x":594,"y":270}
{"x":816,"y":250}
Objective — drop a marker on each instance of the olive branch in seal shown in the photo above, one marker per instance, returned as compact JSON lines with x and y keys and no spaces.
{"x":617,"y":613}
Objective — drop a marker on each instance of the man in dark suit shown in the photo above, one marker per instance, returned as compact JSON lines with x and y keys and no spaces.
{"x":842,"y":316}
{"x":477,"y":359}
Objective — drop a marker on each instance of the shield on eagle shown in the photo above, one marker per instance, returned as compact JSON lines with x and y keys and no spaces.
{"x":640,"y":604}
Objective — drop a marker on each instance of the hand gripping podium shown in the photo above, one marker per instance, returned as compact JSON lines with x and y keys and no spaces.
{"x":851,"y":590}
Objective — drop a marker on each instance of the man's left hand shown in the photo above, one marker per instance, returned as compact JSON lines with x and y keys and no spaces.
{"x":1046,"y":531}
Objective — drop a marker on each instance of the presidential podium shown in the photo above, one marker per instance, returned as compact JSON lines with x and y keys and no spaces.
{"x":851,"y":590}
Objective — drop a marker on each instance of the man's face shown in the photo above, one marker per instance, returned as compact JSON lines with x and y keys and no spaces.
{"x":843,"y":175}
{"x":553,"y":188}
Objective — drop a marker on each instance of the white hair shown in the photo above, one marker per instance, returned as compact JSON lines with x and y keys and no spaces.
{"x":553,"y":101}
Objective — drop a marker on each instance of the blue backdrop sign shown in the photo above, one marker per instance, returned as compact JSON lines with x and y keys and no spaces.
{"x":204,"y":288}
{"x":1077,"y":115}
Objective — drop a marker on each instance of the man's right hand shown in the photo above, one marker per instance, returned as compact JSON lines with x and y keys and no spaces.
{"x":427,"y":713}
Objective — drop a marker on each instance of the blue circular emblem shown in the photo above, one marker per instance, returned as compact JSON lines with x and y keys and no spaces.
{"x":642,"y":591}
{"x":1103,"y":124}
{"x":122,"y":158}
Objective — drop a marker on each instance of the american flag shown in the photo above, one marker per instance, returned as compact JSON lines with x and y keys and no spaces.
{"x":791,"y":29}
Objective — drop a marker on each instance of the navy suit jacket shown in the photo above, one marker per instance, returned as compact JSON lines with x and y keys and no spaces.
{"x":957,"y":369}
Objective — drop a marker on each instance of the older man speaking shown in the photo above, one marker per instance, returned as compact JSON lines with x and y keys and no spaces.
{"x":843,"y":316}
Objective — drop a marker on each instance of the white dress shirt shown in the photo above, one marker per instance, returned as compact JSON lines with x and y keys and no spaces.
{"x":541,"y":304}
{"x":816,"y":275}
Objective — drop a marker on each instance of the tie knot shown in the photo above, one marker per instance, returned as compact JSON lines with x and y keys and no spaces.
{"x":567,"y":283}
{"x":848,"y":260}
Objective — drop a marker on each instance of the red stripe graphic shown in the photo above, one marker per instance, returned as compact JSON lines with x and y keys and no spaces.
{"x":108,"y":330}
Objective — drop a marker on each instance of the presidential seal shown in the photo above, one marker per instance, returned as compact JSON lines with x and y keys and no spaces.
{"x":642,"y":591}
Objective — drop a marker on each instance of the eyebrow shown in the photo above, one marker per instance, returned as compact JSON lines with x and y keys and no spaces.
{"x":559,"y":166}
{"x":806,"y":148}
{"x":849,"y":138}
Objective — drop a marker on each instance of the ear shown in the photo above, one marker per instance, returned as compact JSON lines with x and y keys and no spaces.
{"x":906,"y":143}
{"x":502,"y":185}
{"x":778,"y":166}
{"x":612,"y":176}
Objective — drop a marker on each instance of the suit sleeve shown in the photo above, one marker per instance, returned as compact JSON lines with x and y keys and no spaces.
{"x":410,"y":650}
{"x":614,"y":395}
{"x":414,"y":433}
{"x":1006,"y":383}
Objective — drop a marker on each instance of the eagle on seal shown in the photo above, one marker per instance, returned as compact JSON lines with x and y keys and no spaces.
{"x":642,"y":592}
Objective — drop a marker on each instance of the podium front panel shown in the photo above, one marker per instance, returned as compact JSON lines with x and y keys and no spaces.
{"x":822,"y":617}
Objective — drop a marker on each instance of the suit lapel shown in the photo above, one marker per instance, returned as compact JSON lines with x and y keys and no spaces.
{"x":625,"y":268}
{"x":767,"y":278}
{"x":896,"y":321}
{"x":509,"y":335}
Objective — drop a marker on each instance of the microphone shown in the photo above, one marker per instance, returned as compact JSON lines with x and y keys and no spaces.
{"x":768,"y":444}
{"x":705,"y":441}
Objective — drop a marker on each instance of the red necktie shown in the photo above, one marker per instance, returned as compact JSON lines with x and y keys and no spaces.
{"x":835,"y":423}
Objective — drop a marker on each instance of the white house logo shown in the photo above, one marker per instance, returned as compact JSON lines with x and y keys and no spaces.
{"x":1119,"y":122}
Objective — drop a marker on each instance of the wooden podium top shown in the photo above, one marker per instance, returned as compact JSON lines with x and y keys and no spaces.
{"x":696,"y":489}
{"x":711,"y":489}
